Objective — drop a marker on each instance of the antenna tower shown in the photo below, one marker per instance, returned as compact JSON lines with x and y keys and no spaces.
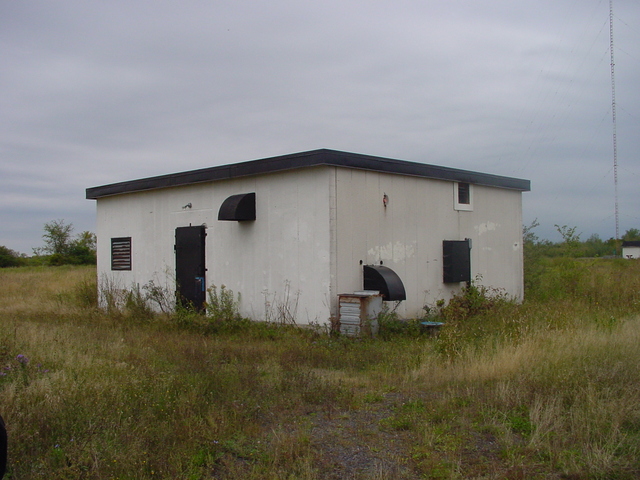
{"x":613,"y":114}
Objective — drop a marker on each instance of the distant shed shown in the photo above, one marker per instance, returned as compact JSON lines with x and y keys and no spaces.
{"x":631,"y":249}
{"x":291,"y":233}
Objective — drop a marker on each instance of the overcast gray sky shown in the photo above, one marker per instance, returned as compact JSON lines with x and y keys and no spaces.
{"x":105,"y":91}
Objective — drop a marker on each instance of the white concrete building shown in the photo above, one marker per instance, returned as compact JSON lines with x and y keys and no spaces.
{"x":290,"y":233}
{"x":631,"y":249}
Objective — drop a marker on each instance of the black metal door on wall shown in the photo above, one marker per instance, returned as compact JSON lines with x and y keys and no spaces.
{"x":190,"y":266}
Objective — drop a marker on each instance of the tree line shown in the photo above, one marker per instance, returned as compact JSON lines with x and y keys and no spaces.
{"x":571,"y":245}
{"x":60,"y":247}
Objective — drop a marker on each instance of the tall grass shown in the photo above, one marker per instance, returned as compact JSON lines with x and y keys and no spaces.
{"x":572,"y":394}
{"x":43,"y":290}
{"x":556,"y":381}
{"x":547,"y":389}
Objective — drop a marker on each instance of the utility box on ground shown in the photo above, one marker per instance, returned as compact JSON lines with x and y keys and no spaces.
{"x":359,"y":312}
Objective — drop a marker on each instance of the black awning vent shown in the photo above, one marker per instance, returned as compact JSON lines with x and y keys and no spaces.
{"x":239,"y":208}
{"x":384,"y":280}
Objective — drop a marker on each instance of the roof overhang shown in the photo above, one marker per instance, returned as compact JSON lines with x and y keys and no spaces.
{"x":308,"y":159}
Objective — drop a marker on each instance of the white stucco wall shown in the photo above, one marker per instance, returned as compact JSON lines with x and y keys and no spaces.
{"x":278,"y":263}
{"x":313,"y":228}
{"x":630,"y":252}
{"x":495,"y":226}
{"x":407,"y":235}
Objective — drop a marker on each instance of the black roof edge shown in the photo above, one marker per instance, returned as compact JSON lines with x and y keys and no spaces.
{"x":308,"y":159}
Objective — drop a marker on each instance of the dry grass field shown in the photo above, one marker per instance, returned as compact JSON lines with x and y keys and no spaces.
{"x":547,"y":389}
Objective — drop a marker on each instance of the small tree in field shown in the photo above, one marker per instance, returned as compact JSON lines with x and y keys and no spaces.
{"x":63,"y":248}
{"x":570,"y":239}
{"x":9,"y":258}
{"x":83,"y":248}
{"x":57,"y":237}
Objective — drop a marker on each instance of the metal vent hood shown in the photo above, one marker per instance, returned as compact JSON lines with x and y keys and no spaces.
{"x":239,"y":208}
{"x":384,"y":280}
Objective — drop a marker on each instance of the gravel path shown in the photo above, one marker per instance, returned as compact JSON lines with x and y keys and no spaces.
{"x":353,"y":444}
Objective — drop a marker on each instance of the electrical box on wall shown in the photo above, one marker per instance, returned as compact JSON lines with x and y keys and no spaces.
{"x":456,"y":261}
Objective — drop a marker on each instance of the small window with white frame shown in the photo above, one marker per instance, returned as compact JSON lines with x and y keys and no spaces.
{"x":463,"y":196}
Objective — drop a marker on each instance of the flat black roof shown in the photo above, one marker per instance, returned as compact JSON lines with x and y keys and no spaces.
{"x":308,"y":159}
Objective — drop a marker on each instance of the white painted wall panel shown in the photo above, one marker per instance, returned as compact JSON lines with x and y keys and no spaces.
{"x":313,"y":228}
{"x":495,"y":226}
{"x":279,"y":263}
{"x":407,"y":235}
{"x":630,"y":252}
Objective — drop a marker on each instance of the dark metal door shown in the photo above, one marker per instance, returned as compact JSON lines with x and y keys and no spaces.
{"x":190,"y":266}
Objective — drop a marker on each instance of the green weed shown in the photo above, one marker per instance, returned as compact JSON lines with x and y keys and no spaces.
{"x":222,"y":304}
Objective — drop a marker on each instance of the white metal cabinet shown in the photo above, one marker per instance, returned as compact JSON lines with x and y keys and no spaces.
{"x":359,"y":312}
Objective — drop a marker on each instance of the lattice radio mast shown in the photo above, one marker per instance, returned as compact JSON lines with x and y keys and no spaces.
{"x":613,"y":114}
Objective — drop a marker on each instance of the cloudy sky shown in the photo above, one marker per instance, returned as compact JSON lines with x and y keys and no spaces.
{"x":105,"y":91}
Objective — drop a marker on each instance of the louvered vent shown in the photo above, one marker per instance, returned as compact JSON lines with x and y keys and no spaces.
{"x":121,"y":253}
